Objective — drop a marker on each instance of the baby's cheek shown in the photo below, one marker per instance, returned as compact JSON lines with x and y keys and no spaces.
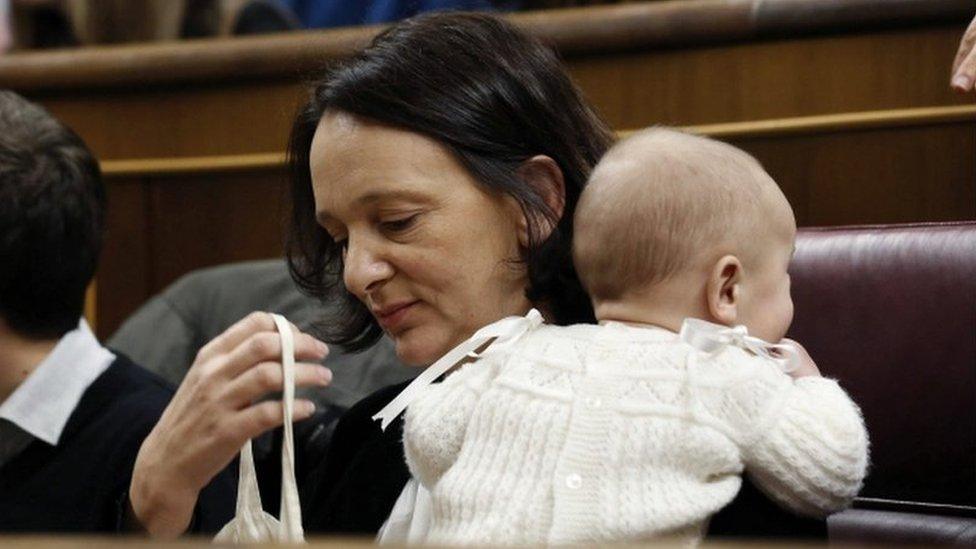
{"x":788,"y":316}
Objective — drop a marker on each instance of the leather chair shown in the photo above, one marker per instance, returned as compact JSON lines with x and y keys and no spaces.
{"x":890,"y":311}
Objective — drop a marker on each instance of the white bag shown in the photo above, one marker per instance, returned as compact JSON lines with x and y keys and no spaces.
{"x":251,"y":524}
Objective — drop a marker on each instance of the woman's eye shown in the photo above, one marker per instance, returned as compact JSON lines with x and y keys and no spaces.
{"x":396,"y":225}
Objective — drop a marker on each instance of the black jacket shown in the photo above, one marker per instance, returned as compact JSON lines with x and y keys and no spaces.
{"x":79,"y":485}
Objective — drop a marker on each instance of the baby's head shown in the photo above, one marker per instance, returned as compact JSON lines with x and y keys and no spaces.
{"x":673,"y":225}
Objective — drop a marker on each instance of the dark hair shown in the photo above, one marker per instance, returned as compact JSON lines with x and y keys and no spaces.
{"x":493,"y":96}
{"x":52,"y":206}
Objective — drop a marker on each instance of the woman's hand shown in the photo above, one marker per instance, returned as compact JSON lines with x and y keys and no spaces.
{"x":964,"y":66}
{"x":212,"y":414}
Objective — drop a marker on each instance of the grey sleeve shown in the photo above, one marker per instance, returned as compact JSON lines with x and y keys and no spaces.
{"x":159,"y":339}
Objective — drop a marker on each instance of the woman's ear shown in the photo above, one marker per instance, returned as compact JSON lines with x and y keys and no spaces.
{"x":724,"y":283}
{"x":544,"y":175}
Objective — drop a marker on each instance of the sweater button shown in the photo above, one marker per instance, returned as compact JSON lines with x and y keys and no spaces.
{"x":574,"y":481}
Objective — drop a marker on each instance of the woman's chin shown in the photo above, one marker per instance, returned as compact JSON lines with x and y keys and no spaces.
{"x":414,"y":349}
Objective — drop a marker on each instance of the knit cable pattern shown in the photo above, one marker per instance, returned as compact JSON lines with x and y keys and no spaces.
{"x":607,"y":433}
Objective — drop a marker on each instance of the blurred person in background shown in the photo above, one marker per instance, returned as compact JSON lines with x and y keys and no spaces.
{"x":119,"y":21}
{"x":39,"y":24}
{"x":315,"y":14}
{"x":45,"y":24}
{"x":72,"y":413}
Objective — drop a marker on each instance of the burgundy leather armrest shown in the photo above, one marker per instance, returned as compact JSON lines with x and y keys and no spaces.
{"x":892,"y":527}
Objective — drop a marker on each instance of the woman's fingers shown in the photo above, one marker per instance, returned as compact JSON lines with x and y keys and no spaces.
{"x":260,"y":417}
{"x":266,"y":347}
{"x":964,"y":65}
{"x":267,"y":377}
{"x":208,"y":419}
{"x":245,"y":329}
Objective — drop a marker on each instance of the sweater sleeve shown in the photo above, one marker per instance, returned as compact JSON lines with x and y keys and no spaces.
{"x":435,"y":424}
{"x":809,"y":449}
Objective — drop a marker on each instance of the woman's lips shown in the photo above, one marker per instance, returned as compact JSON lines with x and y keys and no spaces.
{"x":390,"y":318}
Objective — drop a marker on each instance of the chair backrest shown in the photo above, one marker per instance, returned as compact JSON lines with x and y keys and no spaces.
{"x":891,"y":312}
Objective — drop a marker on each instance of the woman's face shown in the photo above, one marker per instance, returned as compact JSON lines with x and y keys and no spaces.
{"x":425,"y":248}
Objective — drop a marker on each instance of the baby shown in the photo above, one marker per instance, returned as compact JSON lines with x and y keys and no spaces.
{"x":643,"y":425}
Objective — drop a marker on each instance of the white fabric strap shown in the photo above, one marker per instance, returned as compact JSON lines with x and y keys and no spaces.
{"x":291,"y":507}
{"x":251,"y":523}
{"x":249,"y":518}
{"x":504,"y":332}
{"x":711,"y":338}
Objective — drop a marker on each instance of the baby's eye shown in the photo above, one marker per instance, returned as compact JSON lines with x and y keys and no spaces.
{"x":398,"y":225}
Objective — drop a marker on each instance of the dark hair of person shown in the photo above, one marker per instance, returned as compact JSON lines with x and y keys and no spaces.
{"x":491,"y":94}
{"x":52,"y":205}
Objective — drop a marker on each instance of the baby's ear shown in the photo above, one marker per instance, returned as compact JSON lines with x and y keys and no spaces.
{"x":543,"y":174}
{"x":724,"y":284}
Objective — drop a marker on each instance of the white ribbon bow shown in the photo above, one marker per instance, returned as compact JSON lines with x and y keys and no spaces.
{"x":504,"y":332}
{"x":710,"y":338}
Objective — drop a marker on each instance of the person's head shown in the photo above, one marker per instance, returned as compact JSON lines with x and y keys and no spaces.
{"x":439,"y":168}
{"x":51,"y":216}
{"x":676,"y":225}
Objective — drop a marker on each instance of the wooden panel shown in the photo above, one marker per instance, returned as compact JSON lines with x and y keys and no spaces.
{"x":216,"y":119}
{"x":170,"y":216}
{"x":199,"y":221}
{"x":778,"y":79}
{"x":751,"y":81}
{"x":882,"y":175}
{"x":163,"y":224}
{"x":838,"y":123}
{"x":640,"y":26}
{"x":182,"y":165}
{"x":126,"y":267}
{"x":678,"y":63}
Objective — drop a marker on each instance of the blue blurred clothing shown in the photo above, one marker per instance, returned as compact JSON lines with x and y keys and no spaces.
{"x":339,"y":13}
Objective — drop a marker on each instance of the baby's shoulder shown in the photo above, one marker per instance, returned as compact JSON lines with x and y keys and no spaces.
{"x":611,"y":335}
{"x":609,"y":347}
{"x":541,"y":341}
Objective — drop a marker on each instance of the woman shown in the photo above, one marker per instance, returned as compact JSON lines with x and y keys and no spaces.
{"x":434,"y":177}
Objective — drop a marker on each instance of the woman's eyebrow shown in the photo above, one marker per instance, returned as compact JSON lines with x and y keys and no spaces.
{"x":324,"y":217}
{"x":398,"y":194}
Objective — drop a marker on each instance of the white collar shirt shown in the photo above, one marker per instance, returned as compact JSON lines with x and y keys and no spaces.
{"x":40,"y":406}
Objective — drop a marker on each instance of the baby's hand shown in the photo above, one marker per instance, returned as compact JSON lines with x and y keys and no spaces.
{"x":805,"y":366}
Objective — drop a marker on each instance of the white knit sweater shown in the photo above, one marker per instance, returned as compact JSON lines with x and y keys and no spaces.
{"x":605,"y":433}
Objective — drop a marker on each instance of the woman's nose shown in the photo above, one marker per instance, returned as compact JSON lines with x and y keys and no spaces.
{"x":365,"y":270}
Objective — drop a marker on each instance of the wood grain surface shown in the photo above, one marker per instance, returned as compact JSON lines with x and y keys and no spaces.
{"x":169,"y":216}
